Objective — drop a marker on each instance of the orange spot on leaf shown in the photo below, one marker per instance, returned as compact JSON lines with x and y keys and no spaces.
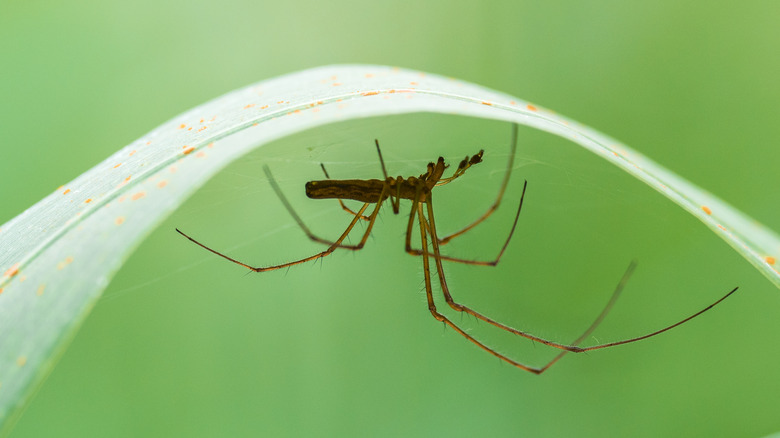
{"x":162,"y":184}
{"x":370,"y":93}
{"x":66,"y":191}
{"x":188,"y":150}
{"x":88,"y":201}
{"x":182,"y":126}
{"x":68,"y":260}
{"x":771,"y":260}
{"x":487,"y":103}
{"x":530,"y":107}
{"x":706,"y":209}
{"x":721,"y":227}
{"x":137,"y":196}
{"x":133,"y":151}
{"x":200,"y":154}
{"x":119,"y":220}
{"x":117,"y":165}
{"x":13,"y":270}
{"x":246,"y":107}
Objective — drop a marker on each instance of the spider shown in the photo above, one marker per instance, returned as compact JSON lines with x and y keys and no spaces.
{"x":419,"y":190}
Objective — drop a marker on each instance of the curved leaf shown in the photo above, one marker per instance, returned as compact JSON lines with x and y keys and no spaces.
{"x":60,"y":254}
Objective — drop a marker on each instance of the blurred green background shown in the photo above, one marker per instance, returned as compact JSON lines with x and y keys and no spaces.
{"x":183,"y":344}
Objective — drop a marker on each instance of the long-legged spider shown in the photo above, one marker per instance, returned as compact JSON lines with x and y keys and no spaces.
{"x":418,"y":190}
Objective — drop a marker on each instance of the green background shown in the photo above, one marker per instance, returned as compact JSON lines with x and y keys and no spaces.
{"x":185,"y":344}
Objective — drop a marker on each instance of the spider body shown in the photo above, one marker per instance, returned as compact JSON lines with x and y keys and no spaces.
{"x":370,"y":190}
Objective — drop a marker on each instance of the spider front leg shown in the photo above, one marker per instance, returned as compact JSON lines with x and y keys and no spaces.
{"x":501,"y":190}
{"x":417,"y":209}
{"x":431,"y":224}
{"x":461,"y":308}
{"x":596,"y":322}
{"x":487,"y":214}
{"x":494,"y":262}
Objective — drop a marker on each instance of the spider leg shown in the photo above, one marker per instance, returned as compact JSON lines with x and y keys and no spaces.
{"x":331,"y":245}
{"x":306,"y":229}
{"x":461,"y":308}
{"x":330,"y":249}
{"x":494,"y":262}
{"x":417,"y":208}
{"x":596,"y":322}
{"x":497,"y":202}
